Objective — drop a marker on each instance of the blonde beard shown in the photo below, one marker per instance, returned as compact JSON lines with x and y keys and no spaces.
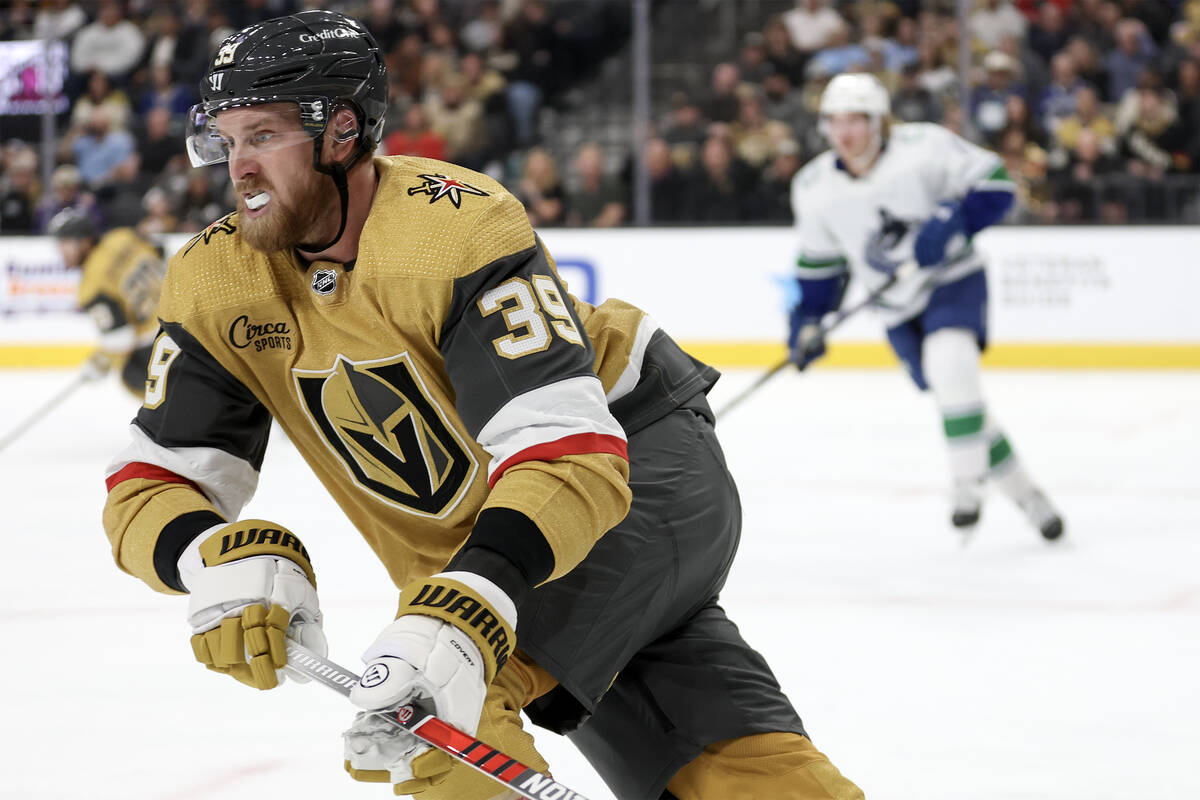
{"x":286,"y":226}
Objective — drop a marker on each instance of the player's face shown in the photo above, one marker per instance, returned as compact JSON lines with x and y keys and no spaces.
{"x":72,"y":251}
{"x":282,"y":201}
{"x":850,"y":134}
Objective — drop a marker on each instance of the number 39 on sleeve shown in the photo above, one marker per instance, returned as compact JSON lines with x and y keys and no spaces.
{"x":525,"y":306}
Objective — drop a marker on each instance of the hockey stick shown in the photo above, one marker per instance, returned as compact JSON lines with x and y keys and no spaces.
{"x":828,"y":324}
{"x":79,"y":380}
{"x":523,"y":780}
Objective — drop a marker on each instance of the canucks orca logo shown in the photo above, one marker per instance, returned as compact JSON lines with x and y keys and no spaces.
{"x":891,"y":245}
{"x":390,"y":435}
{"x":439,"y":186}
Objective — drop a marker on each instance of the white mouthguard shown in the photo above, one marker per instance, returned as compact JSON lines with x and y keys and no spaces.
{"x":257,"y":201}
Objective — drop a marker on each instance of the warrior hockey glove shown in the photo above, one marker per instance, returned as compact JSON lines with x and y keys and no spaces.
{"x":947,"y":221}
{"x":251,"y":585}
{"x":454,"y":631}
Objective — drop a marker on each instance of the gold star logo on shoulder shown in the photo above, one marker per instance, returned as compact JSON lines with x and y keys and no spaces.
{"x":439,"y":186}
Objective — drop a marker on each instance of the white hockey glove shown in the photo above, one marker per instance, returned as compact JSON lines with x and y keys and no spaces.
{"x":454,"y":631}
{"x":251,"y":585}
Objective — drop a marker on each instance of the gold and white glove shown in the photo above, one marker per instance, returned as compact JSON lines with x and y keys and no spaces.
{"x":454,"y":631}
{"x":251,"y":585}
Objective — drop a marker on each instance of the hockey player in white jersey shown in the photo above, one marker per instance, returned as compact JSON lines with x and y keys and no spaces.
{"x":886,"y":195}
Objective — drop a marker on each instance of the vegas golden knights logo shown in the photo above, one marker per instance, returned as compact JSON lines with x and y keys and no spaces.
{"x":393,"y":439}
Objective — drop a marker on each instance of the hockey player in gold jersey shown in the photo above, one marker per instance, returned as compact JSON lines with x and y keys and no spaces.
{"x":539,"y":476}
{"x":121,"y":279}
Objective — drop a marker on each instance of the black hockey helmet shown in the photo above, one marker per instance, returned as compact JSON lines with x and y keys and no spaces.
{"x":71,"y":224}
{"x":315,"y":59}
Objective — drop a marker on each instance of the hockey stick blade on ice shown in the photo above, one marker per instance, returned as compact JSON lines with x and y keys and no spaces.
{"x":832,"y":321}
{"x":523,"y":780}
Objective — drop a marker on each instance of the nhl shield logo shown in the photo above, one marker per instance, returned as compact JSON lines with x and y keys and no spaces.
{"x":324,"y":282}
{"x":391,"y":436}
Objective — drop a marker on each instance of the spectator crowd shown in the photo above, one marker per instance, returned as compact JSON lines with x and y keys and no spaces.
{"x":1094,"y":105}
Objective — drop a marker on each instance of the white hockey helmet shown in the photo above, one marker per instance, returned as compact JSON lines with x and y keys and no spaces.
{"x":855,"y":93}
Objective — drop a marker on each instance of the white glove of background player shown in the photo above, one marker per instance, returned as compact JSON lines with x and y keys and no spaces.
{"x":454,"y":632}
{"x":250,"y":585}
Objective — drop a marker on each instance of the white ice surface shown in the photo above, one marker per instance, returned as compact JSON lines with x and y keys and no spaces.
{"x":1006,"y":670}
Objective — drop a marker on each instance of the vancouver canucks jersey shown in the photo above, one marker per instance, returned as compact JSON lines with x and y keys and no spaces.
{"x":446,"y":370}
{"x":864,"y":227}
{"x":119,"y":288}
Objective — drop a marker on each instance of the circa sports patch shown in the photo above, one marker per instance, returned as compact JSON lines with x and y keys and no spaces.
{"x":438,"y":186}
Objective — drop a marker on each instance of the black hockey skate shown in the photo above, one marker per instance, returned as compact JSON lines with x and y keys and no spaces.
{"x":968,"y":503}
{"x":1042,"y":515}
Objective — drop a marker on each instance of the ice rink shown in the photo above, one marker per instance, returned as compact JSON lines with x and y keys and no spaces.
{"x":1005,"y":670}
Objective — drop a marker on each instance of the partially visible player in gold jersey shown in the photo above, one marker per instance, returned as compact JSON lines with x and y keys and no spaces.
{"x":539,"y":476}
{"x":119,"y":289}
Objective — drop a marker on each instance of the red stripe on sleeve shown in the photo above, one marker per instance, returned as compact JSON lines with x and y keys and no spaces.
{"x":576,"y":445}
{"x":150,"y":472}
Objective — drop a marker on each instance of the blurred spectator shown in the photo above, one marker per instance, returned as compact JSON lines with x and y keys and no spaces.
{"x":66,"y":191}
{"x":179,"y":43}
{"x":754,"y":136}
{"x":111,"y":44}
{"x":723,"y":101}
{"x":1050,"y":31}
{"x":1133,"y":52}
{"x":992,"y":20}
{"x":752,"y":63}
{"x":912,"y":102}
{"x":1087,"y":117}
{"x":415,"y":138}
{"x":1187,"y":98}
{"x":670,"y":189}
{"x":840,"y":54}
{"x":486,"y":86}
{"x":18,"y":190}
{"x":782,"y":55}
{"x":485,"y":31}
{"x":1026,"y":164}
{"x":165,"y":93}
{"x":458,"y":119}
{"x":1076,"y":183}
{"x":720,"y":194}
{"x":1088,"y":65}
{"x":1058,"y":99}
{"x":1020,"y":118}
{"x":781,"y":102}
{"x":773,"y":202}
{"x":16,"y":20}
{"x":1155,"y":143}
{"x":158,"y":218}
{"x":989,"y":102}
{"x":935,"y":74}
{"x":686,"y":124}
{"x":541,"y":190}
{"x":58,"y":19}
{"x":120,"y":198}
{"x":158,"y":142}
{"x":383,"y":21}
{"x":811,"y":24}
{"x":532,"y":38}
{"x":597,"y":201}
{"x":101,"y":94}
{"x":201,"y":202}
{"x":101,"y":148}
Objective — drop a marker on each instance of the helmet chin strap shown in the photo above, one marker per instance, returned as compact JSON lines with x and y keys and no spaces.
{"x":338,"y":173}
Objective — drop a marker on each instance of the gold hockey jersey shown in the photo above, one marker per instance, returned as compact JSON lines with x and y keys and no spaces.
{"x":119,"y":288}
{"x":446,"y":370}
